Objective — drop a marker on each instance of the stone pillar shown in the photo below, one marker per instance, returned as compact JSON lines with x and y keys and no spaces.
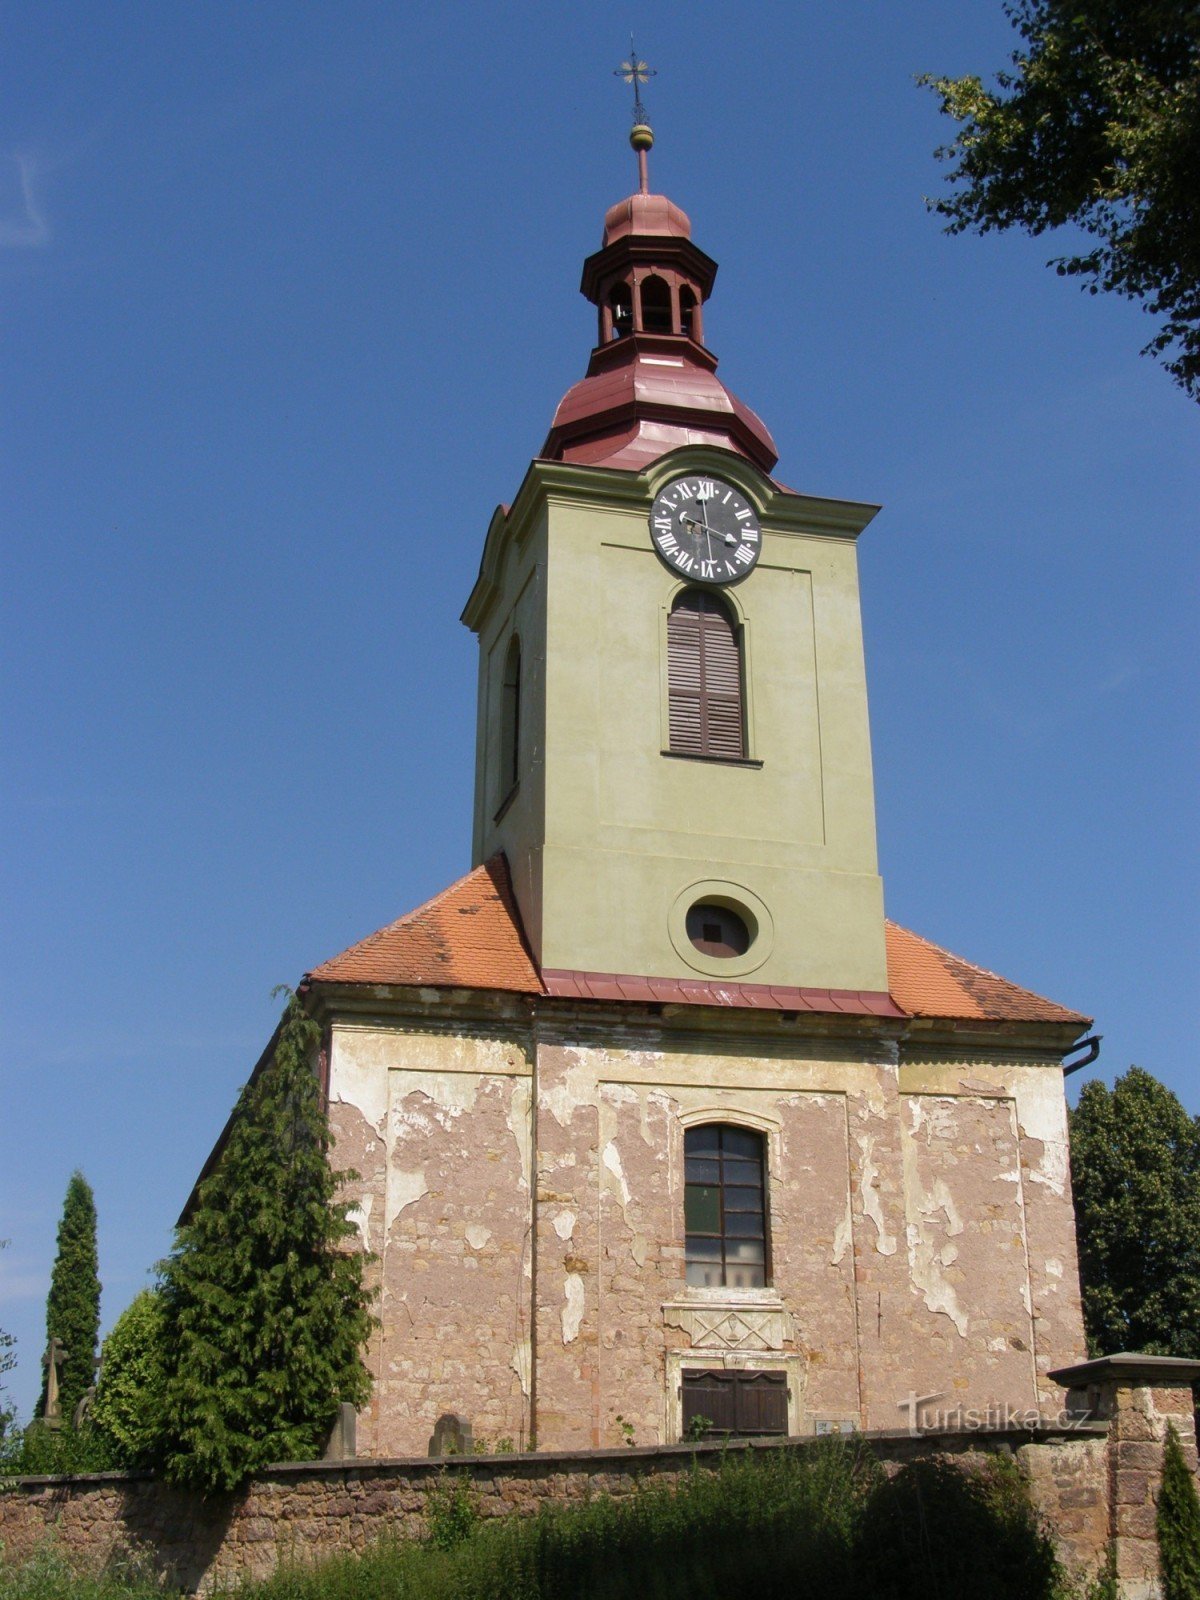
{"x":1137,"y":1396}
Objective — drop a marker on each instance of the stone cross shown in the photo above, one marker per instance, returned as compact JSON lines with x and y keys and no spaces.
{"x":55,"y":1355}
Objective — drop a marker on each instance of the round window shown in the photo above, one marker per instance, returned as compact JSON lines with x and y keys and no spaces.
{"x":716,"y":930}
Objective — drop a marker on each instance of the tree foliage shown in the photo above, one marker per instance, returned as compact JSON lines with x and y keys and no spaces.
{"x":1178,"y":1525}
{"x":73,"y":1304}
{"x":264,"y":1307}
{"x":128,"y":1409}
{"x":1097,"y":125}
{"x":1135,"y":1160}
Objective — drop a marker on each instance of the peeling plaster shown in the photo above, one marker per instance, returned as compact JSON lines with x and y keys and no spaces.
{"x":521,"y":1363}
{"x":572,"y":1312}
{"x":885,"y":1242}
{"x":575,"y":1091}
{"x":361,"y":1082}
{"x":842,"y":1236}
{"x":1054,"y":1267}
{"x":519,"y":1125}
{"x":360,"y":1215}
{"x":477,"y":1235}
{"x":612,"y":1163}
{"x":639,"y":1249}
{"x":1042,"y":1116}
{"x":564,"y":1225}
{"x":931,"y":1122}
{"x":403,"y":1189}
{"x":924,"y":1270}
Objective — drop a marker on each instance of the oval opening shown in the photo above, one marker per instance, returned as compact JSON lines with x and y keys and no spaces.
{"x":717,"y":930}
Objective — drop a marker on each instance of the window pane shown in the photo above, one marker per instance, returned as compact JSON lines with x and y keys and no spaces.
{"x":708,"y":1275}
{"x":702,"y":1209}
{"x":746,"y":1172}
{"x":703,"y":1249}
{"x":698,"y":1169}
{"x":702,"y":1141}
{"x":724,"y":1208}
{"x":738,"y":1142}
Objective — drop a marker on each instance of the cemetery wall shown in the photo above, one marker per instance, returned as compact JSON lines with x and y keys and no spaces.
{"x":309,"y":1511}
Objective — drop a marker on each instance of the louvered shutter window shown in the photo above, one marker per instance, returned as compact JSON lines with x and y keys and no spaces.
{"x":745,"y":1403}
{"x":704,"y":669}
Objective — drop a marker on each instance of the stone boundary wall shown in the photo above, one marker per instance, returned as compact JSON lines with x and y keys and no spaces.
{"x":312,"y":1510}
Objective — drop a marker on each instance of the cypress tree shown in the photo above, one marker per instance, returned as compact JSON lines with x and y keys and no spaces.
{"x":73,"y":1304}
{"x":1178,"y":1523}
{"x":265,"y":1312}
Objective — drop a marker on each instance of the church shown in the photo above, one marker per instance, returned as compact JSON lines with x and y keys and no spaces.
{"x":656,"y":1117}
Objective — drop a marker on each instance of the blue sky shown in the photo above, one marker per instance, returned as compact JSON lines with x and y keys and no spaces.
{"x":289,"y":297}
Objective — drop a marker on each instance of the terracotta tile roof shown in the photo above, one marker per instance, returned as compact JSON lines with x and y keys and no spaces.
{"x":467,"y":937}
{"x":470,"y":937}
{"x":930,"y":982}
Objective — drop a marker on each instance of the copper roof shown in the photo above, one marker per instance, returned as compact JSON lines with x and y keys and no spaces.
{"x":646,"y":216}
{"x":649,"y":393}
{"x":470,"y":937}
{"x":712,"y":992}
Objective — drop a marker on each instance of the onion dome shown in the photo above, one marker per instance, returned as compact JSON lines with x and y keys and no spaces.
{"x":651,"y":382}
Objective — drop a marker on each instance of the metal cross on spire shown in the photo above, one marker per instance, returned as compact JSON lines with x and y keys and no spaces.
{"x":636,"y":72}
{"x":641,"y":136}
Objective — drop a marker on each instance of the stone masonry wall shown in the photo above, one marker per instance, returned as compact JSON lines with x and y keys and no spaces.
{"x":305,"y":1513}
{"x":522,"y":1193}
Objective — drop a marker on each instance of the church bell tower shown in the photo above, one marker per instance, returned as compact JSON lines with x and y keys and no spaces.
{"x":673,"y":749}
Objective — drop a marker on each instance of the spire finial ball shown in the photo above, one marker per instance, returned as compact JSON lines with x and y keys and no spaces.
{"x":641,"y":136}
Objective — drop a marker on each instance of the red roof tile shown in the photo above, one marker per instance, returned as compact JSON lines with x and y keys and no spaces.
{"x":467,"y":937}
{"x":470,"y":937}
{"x":930,"y":982}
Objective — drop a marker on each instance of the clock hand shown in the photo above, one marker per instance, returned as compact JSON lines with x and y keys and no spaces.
{"x":696,"y":523}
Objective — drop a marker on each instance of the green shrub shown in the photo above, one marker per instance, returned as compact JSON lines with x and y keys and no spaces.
{"x":938,"y":1528}
{"x":1178,"y":1523}
{"x":37,"y":1450}
{"x":128,"y":1409}
{"x":451,"y":1512}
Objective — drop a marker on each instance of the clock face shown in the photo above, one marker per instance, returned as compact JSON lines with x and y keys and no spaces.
{"x":705,"y":530}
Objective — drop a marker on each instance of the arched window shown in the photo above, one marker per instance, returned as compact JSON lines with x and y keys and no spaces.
{"x":620,"y":305}
{"x":689,"y":322}
{"x":725,"y":1214}
{"x":656,"y":306}
{"x":510,"y":719}
{"x":704,"y":677}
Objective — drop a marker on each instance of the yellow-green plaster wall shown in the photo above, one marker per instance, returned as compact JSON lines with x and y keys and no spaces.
{"x":609,"y":838}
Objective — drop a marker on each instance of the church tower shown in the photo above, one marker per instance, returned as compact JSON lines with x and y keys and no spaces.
{"x":653,"y":1117}
{"x":673,"y":750}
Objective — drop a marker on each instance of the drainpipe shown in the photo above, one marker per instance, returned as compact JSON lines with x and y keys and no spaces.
{"x":1092,"y":1045}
